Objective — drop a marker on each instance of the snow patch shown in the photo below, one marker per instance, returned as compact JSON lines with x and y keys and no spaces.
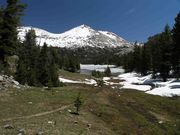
{"x":136,"y":81}
{"x":87,"y":81}
{"x":168,"y":90}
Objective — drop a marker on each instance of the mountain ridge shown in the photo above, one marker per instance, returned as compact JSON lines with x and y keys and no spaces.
{"x":80,"y":36}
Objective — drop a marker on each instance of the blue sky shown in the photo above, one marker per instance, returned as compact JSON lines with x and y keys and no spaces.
{"x":130,"y":19}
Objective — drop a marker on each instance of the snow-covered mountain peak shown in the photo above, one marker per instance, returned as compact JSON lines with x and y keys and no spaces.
{"x":80,"y":36}
{"x":84,"y":26}
{"x":112,"y":35}
{"x":81,"y":31}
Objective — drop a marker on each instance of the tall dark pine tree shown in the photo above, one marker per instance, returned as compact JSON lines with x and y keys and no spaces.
{"x":165,"y":44}
{"x":28,"y":53}
{"x":154,"y":48}
{"x":42,"y":66}
{"x":107,"y":72}
{"x":137,"y":58}
{"x":53,"y":79}
{"x":11,"y":20}
{"x":144,"y":60}
{"x":32,"y":52}
{"x":1,"y":44}
{"x":176,"y":46}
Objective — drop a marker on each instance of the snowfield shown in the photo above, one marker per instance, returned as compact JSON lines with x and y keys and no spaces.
{"x":132,"y":81}
{"x":101,"y":68}
{"x":169,"y":90}
{"x":135,"y":81}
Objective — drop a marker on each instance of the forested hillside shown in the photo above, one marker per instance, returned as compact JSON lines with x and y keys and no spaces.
{"x":159,"y":55}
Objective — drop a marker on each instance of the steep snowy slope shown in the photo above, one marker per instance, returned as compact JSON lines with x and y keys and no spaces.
{"x":81,"y":36}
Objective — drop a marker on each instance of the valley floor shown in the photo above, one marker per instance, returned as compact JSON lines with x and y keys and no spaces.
{"x":105,"y":111}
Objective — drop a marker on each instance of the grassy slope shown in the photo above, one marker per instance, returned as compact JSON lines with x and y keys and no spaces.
{"x":110,"y":112}
{"x":74,"y":76}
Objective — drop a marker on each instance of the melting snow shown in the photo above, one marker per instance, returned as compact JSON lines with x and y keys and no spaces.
{"x":87,"y":81}
{"x":135,"y":81}
{"x":169,"y":90}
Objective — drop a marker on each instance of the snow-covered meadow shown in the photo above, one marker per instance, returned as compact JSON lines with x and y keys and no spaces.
{"x":132,"y":81}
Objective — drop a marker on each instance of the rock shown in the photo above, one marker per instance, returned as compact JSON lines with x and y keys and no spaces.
{"x":40,"y":133}
{"x":69,"y":111}
{"x":30,"y":103}
{"x":1,"y":78}
{"x":8,"y":126}
{"x":89,"y":125}
{"x":7,"y":82}
{"x":15,"y":82}
{"x":22,"y":131}
{"x":53,"y":123}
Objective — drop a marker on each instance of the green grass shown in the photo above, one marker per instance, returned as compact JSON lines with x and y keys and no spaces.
{"x":108,"y":111}
{"x":73,"y":76}
{"x":139,"y":112}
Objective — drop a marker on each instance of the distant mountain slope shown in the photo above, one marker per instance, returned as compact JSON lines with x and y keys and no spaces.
{"x":81,"y":36}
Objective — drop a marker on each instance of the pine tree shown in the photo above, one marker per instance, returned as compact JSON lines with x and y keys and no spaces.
{"x":21,"y":75}
{"x":11,"y":20}
{"x":53,"y":79}
{"x":153,"y":45}
{"x":145,"y":60}
{"x":77,"y":104}
{"x":72,"y":65}
{"x":137,"y":58}
{"x":107,"y":72}
{"x":165,"y":43}
{"x":1,"y":44}
{"x":176,"y":46}
{"x":28,"y":53}
{"x":32,"y":53}
{"x":42,"y":66}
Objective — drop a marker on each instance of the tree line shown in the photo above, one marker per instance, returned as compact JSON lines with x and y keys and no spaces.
{"x":37,"y":66}
{"x":159,"y":55}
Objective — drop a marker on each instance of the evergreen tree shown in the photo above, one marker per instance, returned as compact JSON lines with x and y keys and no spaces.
{"x":11,"y":20}
{"x":137,"y":58}
{"x":107,"y":71}
{"x":42,"y":66}
{"x":145,"y":60}
{"x":1,"y":44}
{"x":77,"y":103}
{"x":32,"y":53}
{"x":153,"y":45}
{"x":128,"y":62}
{"x":28,"y":53}
{"x":21,"y":75}
{"x":53,"y":79}
{"x":166,"y":44}
{"x":176,"y":46}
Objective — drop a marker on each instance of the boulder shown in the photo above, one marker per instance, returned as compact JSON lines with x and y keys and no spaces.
{"x":1,"y":78}
{"x":8,"y":126}
{"x":22,"y":131}
{"x":8,"y":82}
{"x":40,"y":133}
